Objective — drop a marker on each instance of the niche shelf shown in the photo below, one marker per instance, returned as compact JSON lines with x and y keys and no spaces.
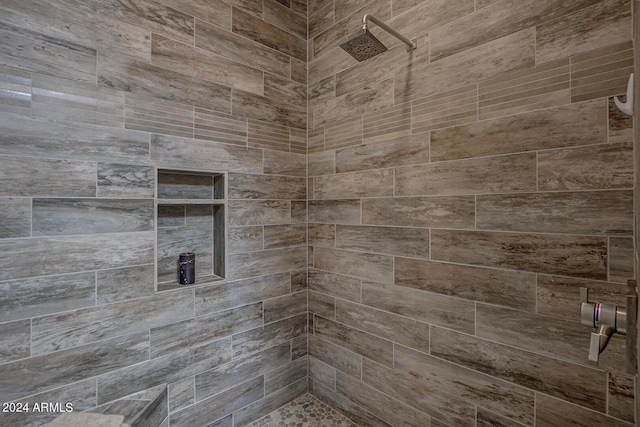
{"x":190,"y":217}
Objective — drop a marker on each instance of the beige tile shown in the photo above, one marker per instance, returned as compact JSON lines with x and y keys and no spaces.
{"x":507,"y":288}
{"x":345,"y":211}
{"x":269,"y":403}
{"x":577,"y":124}
{"x":285,"y":90}
{"x":245,"y":239}
{"x":499,"y":174}
{"x":595,"y":213}
{"x":374,"y":183}
{"x":268,"y":110}
{"x":596,"y":167}
{"x":321,"y":19}
{"x":412,"y":242}
{"x":602,"y":24}
{"x":316,"y":139}
{"x":399,"y":151}
{"x":552,"y":412}
{"x":357,"y":264}
{"x":445,"y":109}
{"x":16,"y":340}
{"x":284,"y":18}
{"x":437,"y":211}
{"x":563,"y":254}
{"x":264,"y":134}
{"x":334,"y":284}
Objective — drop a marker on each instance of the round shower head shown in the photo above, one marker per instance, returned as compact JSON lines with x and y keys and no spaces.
{"x":362,"y":45}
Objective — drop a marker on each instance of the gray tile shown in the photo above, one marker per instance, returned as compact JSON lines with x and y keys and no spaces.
{"x":269,"y":403}
{"x":621,"y":264}
{"x":345,"y":211}
{"x":42,"y":373}
{"x":335,"y":356}
{"x":280,"y":236}
{"x":322,"y":373}
{"x":322,"y":163}
{"x":281,"y":307}
{"x":357,"y":414}
{"x":554,"y":412}
{"x":15,"y":216}
{"x":270,"y":335}
{"x":489,"y":419}
{"x":216,"y":11}
{"x":15,"y":339}
{"x":334,"y":284}
{"x":172,"y":241}
{"x":298,"y":212}
{"x":376,"y":183}
{"x":445,"y":109}
{"x":266,"y":262}
{"x":400,"y":151}
{"x":219,"y":127}
{"x":285,"y":90}
{"x":299,"y":347}
{"x":281,"y":16}
{"x":181,"y":394}
{"x":322,"y":235}
{"x":121,"y":180}
{"x":245,"y":239}
{"x":413,"y":242}
{"x":621,"y":397}
{"x":285,"y":375}
{"x":268,"y":110}
{"x":435,"y":211}
{"x":280,"y":163}
{"x":361,"y":265}
{"x":243,"y":186}
{"x":44,"y":295}
{"x":322,"y":305}
{"x":259,"y":212}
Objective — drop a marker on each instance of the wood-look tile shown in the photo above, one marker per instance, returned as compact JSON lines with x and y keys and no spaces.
{"x":220,"y":127}
{"x":322,"y":163}
{"x":512,"y":52}
{"x":244,"y":239}
{"x":40,"y":53}
{"x":81,"y":253}
{"x":322,"y":305}
{"x":15,"y":339}
{"x":491,"y":23}
{"x":240,"y":370}
{"x":141,"y":79}
{"x":172,"y":241}
{"x":60,"y":331}
{"x":266,"y":262}
{"x":571,"y":382}
{"x":551,"y":412}
{"x":567,"y":255}
{"x":22,"y":136}
{"x":621,"y":259}
{"x":269,"y":403}
{"x":197,"y":153}
{"x":181,"y":394}
{"x":214,"y":11}
{"x":298,"y":140}
{"x":595,"y":213}
{"x":175,"y":185}
{"x":507,"y":288}
{"x":334,"y":284}
{"x":192,"y":61}
{"x":214,"y":408}
{"x":270,"y":335}
{"x":316,"y":140}
{"x":125,"y":181}
{"x":621,"y":397}
{"x":15,"y":216}
{"x":426,"y":396}
{"x":55,"y":217}
{"x":382,"y":324}
{"x":267,"y":109}
{"x":41,"y":373}
{"x":374,"y":183}
{"x":238,"y":48}
{"x":573,"y":125}
{"x":284,"y":18}
{"x":322,"y":373}
{"x":445,"y":109}
{"x":286,"y":375}
{"x":178,"y":335}
{"x":343,"y":133}
{"x":419,"y":305}
{"x":285,"y":90}
{"x":279,"y":163}
{"x":322,"y":235}
{"x":357,"y":414}
{"x":499,"y":174}
{"x":121,"y":284}
{"x":149,"y":114}
{"x":299,"y":347}
{"x":268,"y":35}
{"x":401,"y":151}
{"x":620,"y":124}
{"x":281,"y":236}
{"x":258,"y":212}
{"x":44,"y":295}
{"x":245,"y":186}
{"x":412,"y":242}
{"x":346,"y":211}
{"x":299,"y":280}
{"x":599,"y":167}
{"x":362,"y":265}
{"x":299,"y":71}
{"x":321,"y":20}
{"x":436,"y":211}
{"x":500,"y":396}
{"x":284,"y":306}
{"x":15,"y":91}
{"x":163,"y":370}
{"x":335,"y":356}
{"x":602,"y":24}
{"x":298,"y":212}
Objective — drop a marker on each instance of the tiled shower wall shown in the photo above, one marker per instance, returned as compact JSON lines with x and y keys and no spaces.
{"x":93,"y":95}
{"x":460,"y":195}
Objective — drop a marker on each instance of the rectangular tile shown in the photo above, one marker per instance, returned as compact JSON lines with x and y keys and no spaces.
{"x":55,"y":217}
{"x":412,"y":242}
{"x":599,"y":167}
{"x":45,"y":295}
{"x":335,"y":356}
{"x":244,"y":186}
{"x":219,"y":127}
{"x":356,"y":341}
{"x":435,"y":211}
{"x":620,"y":124}
{"x":266,"y":262}
{"x":621,"y":397}
{"x":322,"y":235}
{"x":422,"y":306}
{"x":600,"y":212}
{"x":512,"y":52}
{"x":223,"y":296}
{"x":621,"y":259}
{"x":316,"y":139}
{"x":375,"y":183}
{"x":555,"y":412}
{"x":245,"y":239}
{"x":346,"y":211}
{"x":298,"y":140}
{"x":602,"y":24}
{"x":485,"y":418}
{"x":162,"y":370}
{"x":172,"y":241}
{"x":322,"y":305}
{"x":268,"y":109}
{"x":270,"y":335}
{"x":445,"y":109}
{"x":197,"y":153}
{"x":513,"y":289}
{"x":268,"y":135}
{"x":322,"y":163}
{"x":284,"y":306}
{"x":149,"y":114}
{"x":401,"y":151}
{"x":285,"y":90}
{"x":41,"y":373}
{"x":356,"y":413}
{"x":59,"y":331}
{"x":240,"y":370}
{"x":568,"y":255}
{"x":126,"y":181}
{"x":298,"y":212}
{"x":178,"y":335}
{"x":361,"y":265}
{"x":269,"y":403}
{"x":579,"y":384}
{"x":322,"y":373}
{"x":121,"y":284}
{"x":285,"y":375}
{"x":15,"y":340}
{"x":290,"y":164}
{"x":299,"y":71}
{"x":573,"y":125}
{"x":258,"y":212}
{"x":217,"y":11}
{"x":514,"y":173}
{"x":334,"y":284}
{"x":15,"y":216}
{"x":181,"y":394}
{"x":80,"y":253}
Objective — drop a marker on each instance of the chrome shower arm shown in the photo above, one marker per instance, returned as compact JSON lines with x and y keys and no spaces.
{"x":410,"y":44}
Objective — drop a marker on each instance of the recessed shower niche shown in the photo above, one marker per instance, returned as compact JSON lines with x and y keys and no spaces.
{"x":190,"y":208}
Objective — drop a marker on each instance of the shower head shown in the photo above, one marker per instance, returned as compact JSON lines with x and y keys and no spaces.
{"x":363,"y":45}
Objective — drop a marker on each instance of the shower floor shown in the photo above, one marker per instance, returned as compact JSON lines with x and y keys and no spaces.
{"x":305,"y":411}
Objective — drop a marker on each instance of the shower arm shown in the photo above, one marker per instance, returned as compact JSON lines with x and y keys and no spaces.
{"x":410,"y":43}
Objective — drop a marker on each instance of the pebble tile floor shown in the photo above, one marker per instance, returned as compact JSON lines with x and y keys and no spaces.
{"x":305,"y":411}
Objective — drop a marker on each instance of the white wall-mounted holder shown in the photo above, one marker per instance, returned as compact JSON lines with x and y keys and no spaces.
{"x":626,"y":107}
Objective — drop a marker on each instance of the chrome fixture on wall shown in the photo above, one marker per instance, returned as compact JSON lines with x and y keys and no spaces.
{"x":363,"y":45}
